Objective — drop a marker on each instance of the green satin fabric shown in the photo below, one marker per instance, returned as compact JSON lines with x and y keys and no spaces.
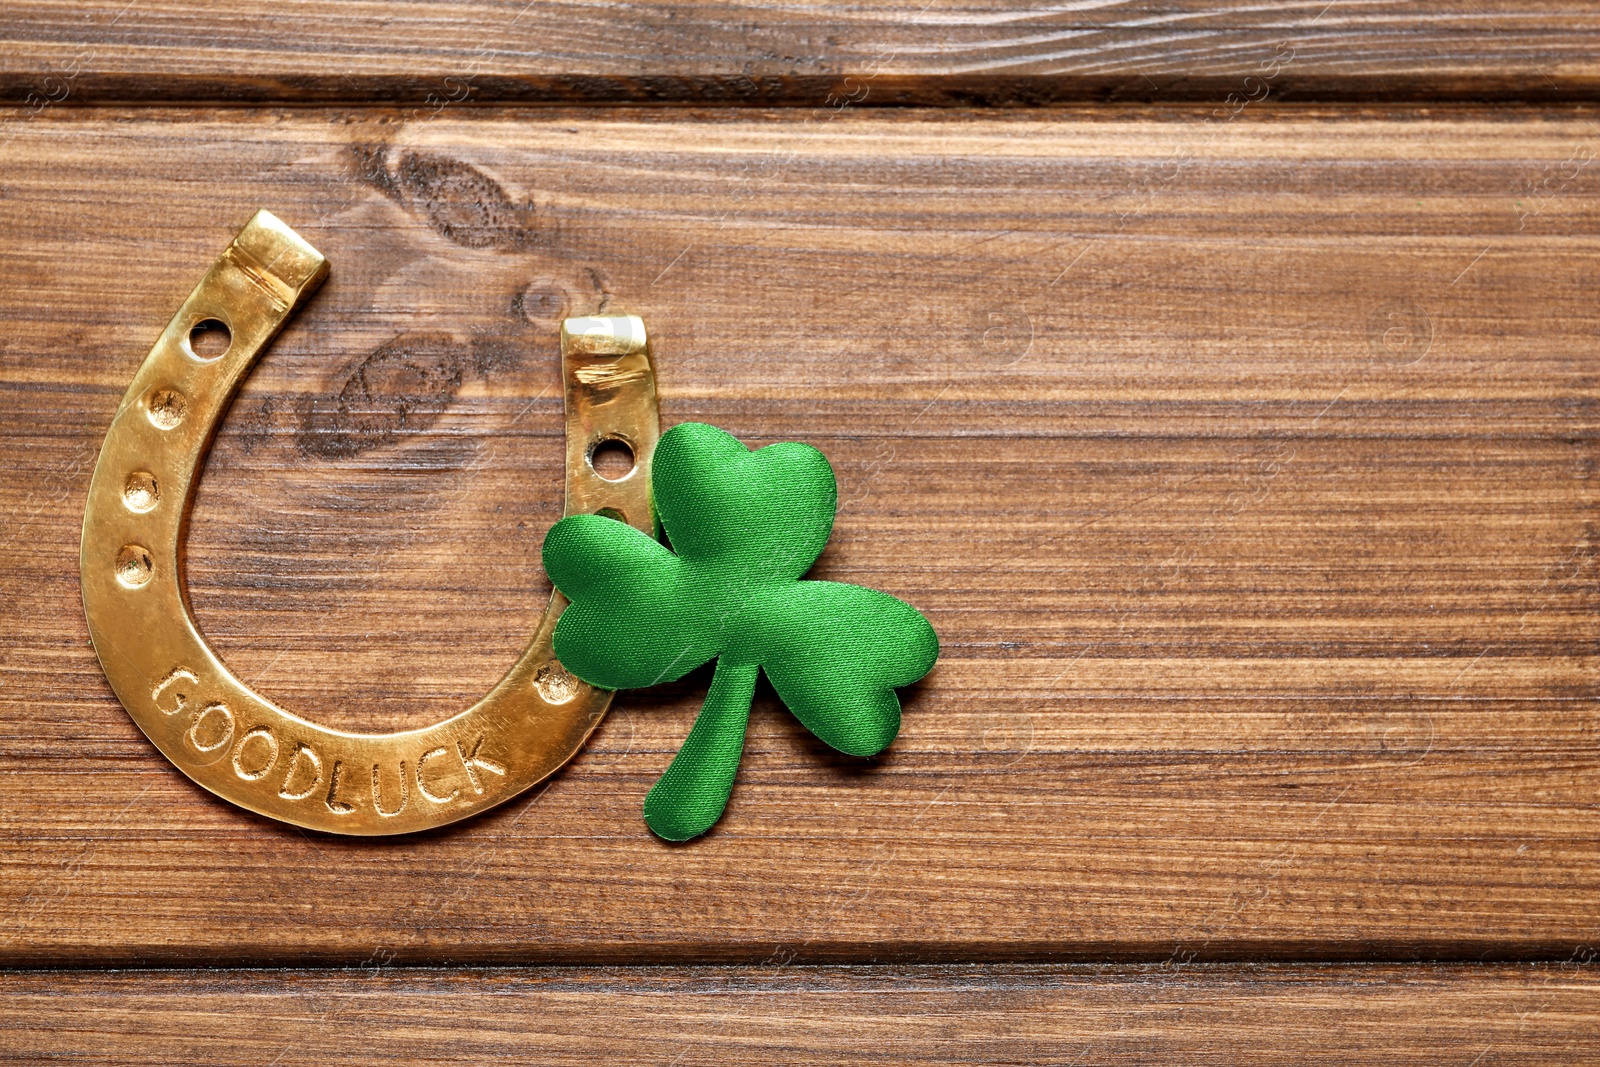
{"x":744,"y":527}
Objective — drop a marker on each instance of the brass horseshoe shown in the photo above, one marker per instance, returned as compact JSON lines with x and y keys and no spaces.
{"x":211,"y":725}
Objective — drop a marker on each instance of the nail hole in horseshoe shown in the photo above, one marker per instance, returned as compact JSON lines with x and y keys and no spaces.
{"x":209,"y":339}
{"x":611,"y":458}
{"x":613,"y":514}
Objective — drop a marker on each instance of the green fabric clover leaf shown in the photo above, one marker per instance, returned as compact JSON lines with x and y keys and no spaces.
{"x":745,"y":527}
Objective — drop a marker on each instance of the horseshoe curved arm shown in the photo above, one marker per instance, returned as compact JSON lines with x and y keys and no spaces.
{"x":219,"y":732}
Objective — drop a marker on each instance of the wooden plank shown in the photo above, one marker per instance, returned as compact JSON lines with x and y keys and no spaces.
{"x":431,"y":55}
{"x":1245,"y":470}
{"x":1411,"y":1015}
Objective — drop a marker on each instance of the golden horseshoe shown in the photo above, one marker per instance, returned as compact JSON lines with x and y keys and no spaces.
{"x":211,"y":725}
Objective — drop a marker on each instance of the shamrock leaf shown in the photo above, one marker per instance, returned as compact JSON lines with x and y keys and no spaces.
{"x":745,"y":527}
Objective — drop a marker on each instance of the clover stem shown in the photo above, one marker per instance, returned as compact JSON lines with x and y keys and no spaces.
{"x":688,"y":799}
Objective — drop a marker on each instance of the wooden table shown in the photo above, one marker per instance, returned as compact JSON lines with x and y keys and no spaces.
{"x":1220,"y":379}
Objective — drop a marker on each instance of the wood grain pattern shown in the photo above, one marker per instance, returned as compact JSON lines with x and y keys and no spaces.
{"x":1418,"y":1015}
{"x":1244,"y":468}
{"x":431,"y":54}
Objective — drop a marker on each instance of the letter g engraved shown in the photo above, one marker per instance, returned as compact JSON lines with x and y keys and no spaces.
{"x":180,"y":696}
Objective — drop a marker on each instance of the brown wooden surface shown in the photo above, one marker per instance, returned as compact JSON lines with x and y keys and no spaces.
{"x":1268,"y":632}
{"x":1410,"y":1016}
{"x":1241,"y":450}
{"x":434,"y":54}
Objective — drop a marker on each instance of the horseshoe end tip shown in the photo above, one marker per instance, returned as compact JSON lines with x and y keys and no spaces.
{"x":280,"y":252}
